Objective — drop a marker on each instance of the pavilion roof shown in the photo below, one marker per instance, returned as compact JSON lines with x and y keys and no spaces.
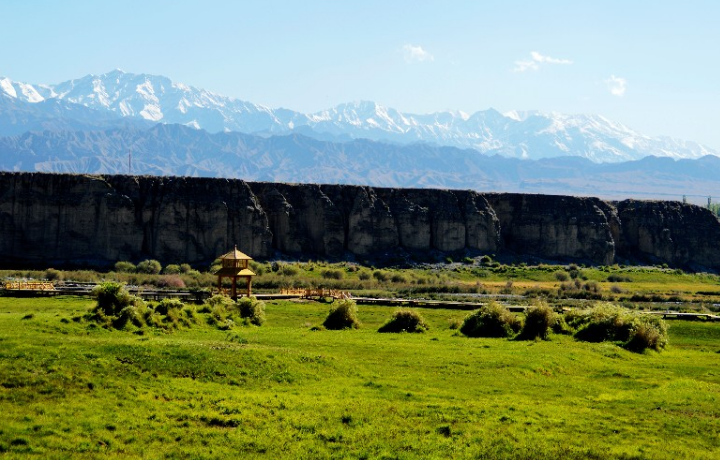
{"x":235,"y":255}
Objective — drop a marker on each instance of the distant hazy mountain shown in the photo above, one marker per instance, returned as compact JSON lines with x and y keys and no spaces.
{"x":180,"y":150}
{"x":526,"y":135}
{"x":18,"y":116}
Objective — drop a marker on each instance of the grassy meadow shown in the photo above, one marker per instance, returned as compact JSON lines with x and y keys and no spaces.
{"x":70,"y":389}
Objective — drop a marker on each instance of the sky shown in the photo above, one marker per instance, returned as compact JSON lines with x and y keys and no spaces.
{"x":651,"y":65}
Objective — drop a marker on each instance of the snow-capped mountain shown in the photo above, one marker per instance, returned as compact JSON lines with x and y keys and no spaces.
{"x":527,"y":135}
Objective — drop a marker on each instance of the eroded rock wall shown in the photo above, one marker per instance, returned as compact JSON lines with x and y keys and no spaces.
{"x":70,"y":219}
{"x":556,"y":227}
{"x":670,"y":232}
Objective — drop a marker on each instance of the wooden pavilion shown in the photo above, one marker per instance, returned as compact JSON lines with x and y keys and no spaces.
{"x":234,"y":266}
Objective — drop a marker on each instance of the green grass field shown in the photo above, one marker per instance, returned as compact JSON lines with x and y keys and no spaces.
{"x":72,"y":390}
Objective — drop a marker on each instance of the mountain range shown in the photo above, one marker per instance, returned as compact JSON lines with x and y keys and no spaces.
{"x":143,"y":124}
{"x":526,"y":135}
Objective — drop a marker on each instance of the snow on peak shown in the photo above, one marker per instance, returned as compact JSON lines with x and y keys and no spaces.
{"x":7,"y":86}
{"x":519,"y":134}
{"x":513,"y":115}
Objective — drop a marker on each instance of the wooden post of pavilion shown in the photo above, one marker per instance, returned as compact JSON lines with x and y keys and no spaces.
{"x":234,"y":266}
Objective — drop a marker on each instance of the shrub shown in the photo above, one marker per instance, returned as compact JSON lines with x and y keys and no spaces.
{"x":405,"y":320}
{"x":252,"y":310}
{"x":168,"y":304}
{"x":562,"y":275}
{"x":398,"y":278}
{"x":342,"y":316}
{"x":332,"y":274}
{"x":218,"y":299}
{"x":125,"y":267}
{"x":111,"y":298}
{"x":619,"y":279}
{"x":130,"y":314}
{"x":647,"y":332}
{"x":508,"y":289}
{"x":185,"y":268}
{"x":604,"y":322}
{"x":380,"y":275}
{"x":592,"y":286}
{"x":608,"y":322}
{"x":172,"y":269}
{"x":150,"y":267}
{"x":491,"y":320}
{"x":170,"y":281}
{"x":288,"y":270}
{"x":539,"y":320}
{"x":468,"y":260}
{"x":364,"y":276}
{"x":257,"y":267}
{"x":116,"y":307}
{"x":486,"y":260}
{"x":53,"y":275}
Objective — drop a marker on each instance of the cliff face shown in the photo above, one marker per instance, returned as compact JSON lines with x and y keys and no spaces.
{"x":670,"y":232}
{"x":556,"y":227}
{"x":55,"y":219}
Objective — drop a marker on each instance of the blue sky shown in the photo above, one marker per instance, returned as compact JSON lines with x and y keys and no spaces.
{"x":652,"y":65}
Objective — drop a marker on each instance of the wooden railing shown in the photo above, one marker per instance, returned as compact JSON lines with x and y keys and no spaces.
{"x":29,"y":286}
{"x":310,"y":293}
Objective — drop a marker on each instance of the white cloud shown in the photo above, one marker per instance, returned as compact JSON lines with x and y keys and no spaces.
{"x":535,"y":60}
{"x":522,"y":66}
{"x":416,"y":53}
{"x":616,"y":85}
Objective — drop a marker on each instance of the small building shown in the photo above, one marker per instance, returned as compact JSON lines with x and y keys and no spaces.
{"x":235,"y":265}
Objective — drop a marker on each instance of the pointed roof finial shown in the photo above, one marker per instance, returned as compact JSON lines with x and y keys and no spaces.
{"x":235,"y":254}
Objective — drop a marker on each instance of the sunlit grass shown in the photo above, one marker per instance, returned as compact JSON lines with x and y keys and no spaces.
{"x":282,"y":390}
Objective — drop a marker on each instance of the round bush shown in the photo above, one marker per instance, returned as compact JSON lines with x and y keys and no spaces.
{"x":647,"y":332}
{"x":332,"y":274}
{"x":491,"y":320}
{"x":168,"y":304}
{"x":219,"y":299}
{"x":125,"y":267}
{"x":603,"y":322}
{"x":632,"y":330}
{"x":342,"y":316}
{"x":405,"y":320}
{"x":111,"y":298}
{"x":150,"y":267}
{"x":252,"y":310}
{"x":539,"y":320}
{"x":172,"y":269}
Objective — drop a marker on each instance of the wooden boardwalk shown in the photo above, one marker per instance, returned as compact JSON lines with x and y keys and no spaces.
{"x":44,"y":289}
{"x":687,"y":316}
{"x":422,"y":303}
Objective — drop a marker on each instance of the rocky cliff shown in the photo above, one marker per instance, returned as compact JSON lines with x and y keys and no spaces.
{"x":55,"y":219}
